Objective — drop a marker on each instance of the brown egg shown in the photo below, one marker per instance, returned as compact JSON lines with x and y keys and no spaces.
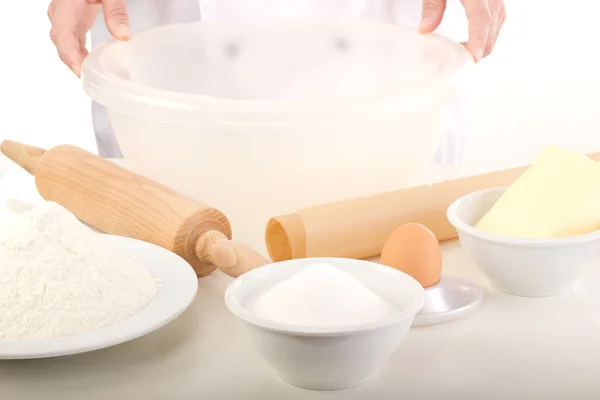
{"x":413,"y":249}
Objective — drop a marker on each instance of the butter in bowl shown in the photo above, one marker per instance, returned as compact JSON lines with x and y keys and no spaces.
{"x":537,"y":237}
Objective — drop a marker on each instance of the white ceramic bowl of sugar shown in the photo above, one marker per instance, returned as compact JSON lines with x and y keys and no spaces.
{"x":318,"y":356}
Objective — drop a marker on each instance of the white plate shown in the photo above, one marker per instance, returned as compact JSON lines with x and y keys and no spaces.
{"x":175,"y":294}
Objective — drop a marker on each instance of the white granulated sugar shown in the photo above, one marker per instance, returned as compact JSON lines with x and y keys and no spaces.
{"x":322,"y":295}
{"x":58,"y":279}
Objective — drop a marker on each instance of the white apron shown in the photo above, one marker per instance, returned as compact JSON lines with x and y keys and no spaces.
{"x":146,"y":14}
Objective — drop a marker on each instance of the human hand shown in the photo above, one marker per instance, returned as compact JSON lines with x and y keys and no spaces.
{"x":72,"y":19}
{"x":486,"y":17}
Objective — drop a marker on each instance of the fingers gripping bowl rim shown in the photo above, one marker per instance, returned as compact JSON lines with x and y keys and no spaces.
{"x":176,"y":90}
{"x":106,"y":78}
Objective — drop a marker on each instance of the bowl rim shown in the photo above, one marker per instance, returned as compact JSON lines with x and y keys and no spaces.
{"x":463,"y":227}
{"x":249,"y":317}
{"x":104,"y":86}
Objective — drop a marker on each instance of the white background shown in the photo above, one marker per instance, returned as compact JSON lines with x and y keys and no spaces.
{"x":541,"y":85}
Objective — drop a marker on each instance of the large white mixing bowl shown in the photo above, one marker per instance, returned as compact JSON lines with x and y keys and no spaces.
{"x":262,"y":117}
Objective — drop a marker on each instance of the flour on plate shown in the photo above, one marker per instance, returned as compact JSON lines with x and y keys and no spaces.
{"x":58,"y":279}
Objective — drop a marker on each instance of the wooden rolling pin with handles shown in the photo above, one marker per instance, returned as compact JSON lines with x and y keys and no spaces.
{"x":117,"y":201}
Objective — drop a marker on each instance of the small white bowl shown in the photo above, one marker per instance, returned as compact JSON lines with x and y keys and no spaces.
{"x":321,"y":358}
{"x":521,"y":266}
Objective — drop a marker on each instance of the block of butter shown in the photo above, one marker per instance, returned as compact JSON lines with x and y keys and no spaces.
{"x":557,"y":196}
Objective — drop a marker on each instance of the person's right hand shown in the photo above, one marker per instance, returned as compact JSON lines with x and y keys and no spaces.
{"x":72,"y":19}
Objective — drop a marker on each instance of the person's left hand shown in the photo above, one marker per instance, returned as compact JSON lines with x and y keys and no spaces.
{"x":486,"y":18}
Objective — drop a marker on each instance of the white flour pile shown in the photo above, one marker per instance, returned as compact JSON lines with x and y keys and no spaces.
{"x":57,"y":278}
{"x":322,"y":296}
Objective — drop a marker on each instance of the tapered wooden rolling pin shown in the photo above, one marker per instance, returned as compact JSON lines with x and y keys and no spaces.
{"x":117,"y":201}
{"x":358,"y":228}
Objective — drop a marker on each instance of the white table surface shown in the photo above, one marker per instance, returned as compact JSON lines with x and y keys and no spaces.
{"x":512,"y":348}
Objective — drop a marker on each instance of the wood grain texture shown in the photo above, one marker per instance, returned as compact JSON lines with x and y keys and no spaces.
{"x":233,"y":258}
{"x":27,"y":157}
{"x":120,"y":202}
{"x":117,"y":201}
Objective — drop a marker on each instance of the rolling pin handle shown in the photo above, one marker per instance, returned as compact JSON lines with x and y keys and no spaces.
{"x":27,"y":157}
{"x":212,"y":248}
{"x":209,"y":249}
{"x":231,"y":257}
